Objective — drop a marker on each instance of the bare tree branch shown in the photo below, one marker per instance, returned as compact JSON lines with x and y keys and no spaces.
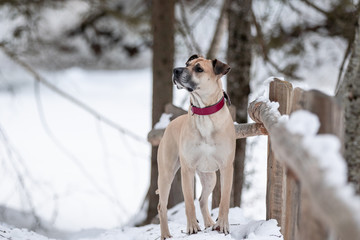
{"x":187,"y":28}
{"x":346,"y":56}
{"x":67,"y":96}
{"x":220,"y":29}
{"x":314,"y":6}
{"x":265,"y":50}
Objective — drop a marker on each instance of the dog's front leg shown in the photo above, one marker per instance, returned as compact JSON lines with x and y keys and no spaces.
{"x":226,"y":176}
{"x":187,"y":180}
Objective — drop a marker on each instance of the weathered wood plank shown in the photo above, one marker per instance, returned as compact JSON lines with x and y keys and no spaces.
{"x":292,"y":205}
{"x":280,"y":91}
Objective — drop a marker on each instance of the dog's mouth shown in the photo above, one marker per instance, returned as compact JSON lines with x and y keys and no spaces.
{"x":179,"y":85}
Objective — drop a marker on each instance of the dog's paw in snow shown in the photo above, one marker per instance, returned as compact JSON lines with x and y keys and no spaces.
{"x":222,"y":226}
{"x":165,"y":236}
{"x":193,"y":227}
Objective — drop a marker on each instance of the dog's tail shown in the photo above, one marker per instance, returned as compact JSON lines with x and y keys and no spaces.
{"x":157,"y":192}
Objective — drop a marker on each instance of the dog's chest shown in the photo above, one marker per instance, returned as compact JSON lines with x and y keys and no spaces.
{"x":204,"y":155}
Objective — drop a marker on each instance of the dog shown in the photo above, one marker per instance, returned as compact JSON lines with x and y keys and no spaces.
{"x":202,"y":141}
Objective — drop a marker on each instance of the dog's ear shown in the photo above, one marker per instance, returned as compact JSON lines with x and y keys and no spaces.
{"x":191,"y":58}
{"x":220,"y":67}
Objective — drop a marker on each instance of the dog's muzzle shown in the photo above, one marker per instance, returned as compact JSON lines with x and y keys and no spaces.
{"x":182,"y":79}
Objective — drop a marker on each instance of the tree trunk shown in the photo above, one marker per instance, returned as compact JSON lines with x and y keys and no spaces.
{"x":239,"y":58}
{"x":163,"y":60}
{"x":349,"y":95}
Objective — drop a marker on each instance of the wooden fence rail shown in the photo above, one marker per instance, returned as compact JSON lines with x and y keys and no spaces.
{"x":243,"y":130}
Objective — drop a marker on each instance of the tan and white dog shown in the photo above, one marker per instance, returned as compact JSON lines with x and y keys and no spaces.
{"x":201,"y":141}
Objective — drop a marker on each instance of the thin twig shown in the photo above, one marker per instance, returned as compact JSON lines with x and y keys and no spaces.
{"x":184,"y":36}
{"x":219,"y":31}
{"x":341,"y":71}
{"x":265,"y":50}
{"x":186,"y":25}
{"x":20,"y":179}
{"x":317,"y":8}
{"x":70,"y":155}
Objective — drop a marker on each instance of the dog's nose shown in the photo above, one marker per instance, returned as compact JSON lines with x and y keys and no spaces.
{"x":177,"y":71}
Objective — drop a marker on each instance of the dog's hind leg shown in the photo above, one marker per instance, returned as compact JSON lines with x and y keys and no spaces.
{"x":208,"y":181}
{"x":168,"y":165}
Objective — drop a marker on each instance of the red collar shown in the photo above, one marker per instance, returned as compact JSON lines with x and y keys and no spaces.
{"x":208,"y":110}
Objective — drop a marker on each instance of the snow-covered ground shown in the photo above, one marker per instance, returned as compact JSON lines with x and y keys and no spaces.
{"x":240,"y":227}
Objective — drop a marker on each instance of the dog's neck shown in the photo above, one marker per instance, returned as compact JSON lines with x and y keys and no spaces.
{"x":203,"y":100}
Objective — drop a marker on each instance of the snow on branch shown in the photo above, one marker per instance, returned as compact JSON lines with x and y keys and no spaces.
{"x":317,"y":162}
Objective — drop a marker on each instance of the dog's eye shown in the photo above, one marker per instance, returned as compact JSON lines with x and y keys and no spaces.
{"x":198,"y":69}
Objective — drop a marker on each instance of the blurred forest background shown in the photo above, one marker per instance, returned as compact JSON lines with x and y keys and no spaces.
{"x":71,"y":49}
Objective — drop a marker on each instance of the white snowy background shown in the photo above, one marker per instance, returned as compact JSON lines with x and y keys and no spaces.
{"x":85,"y":179}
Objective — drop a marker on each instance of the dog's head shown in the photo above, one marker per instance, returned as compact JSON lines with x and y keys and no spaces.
{"x":200,"y":74}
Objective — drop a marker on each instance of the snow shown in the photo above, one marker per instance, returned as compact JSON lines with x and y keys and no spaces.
{"x":164,"y":121}
{"x":326,"y":148}
{"x":18,"y":234}
{"x":240,"y":228}
{"x":303,"y":122}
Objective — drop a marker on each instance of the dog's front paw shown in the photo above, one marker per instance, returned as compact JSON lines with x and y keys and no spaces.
{"x":222,"y":225}
{"x":192,"y":227}
{"x":165,"y":236}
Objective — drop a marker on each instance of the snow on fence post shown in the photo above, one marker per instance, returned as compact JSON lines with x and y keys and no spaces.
{"x":305,"y":225}
{"x":331,"y":199}
{"x":329,"y":112}
{"x":280,"y":91}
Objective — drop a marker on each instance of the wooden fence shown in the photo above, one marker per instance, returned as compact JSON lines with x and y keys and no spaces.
{"x":298,"y":195}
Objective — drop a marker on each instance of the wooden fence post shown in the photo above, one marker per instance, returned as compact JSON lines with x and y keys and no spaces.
{"x":339,"y":212}
{"x":280,"y":91}
{"x":292,"y":205}
{"x":330,"y":116}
